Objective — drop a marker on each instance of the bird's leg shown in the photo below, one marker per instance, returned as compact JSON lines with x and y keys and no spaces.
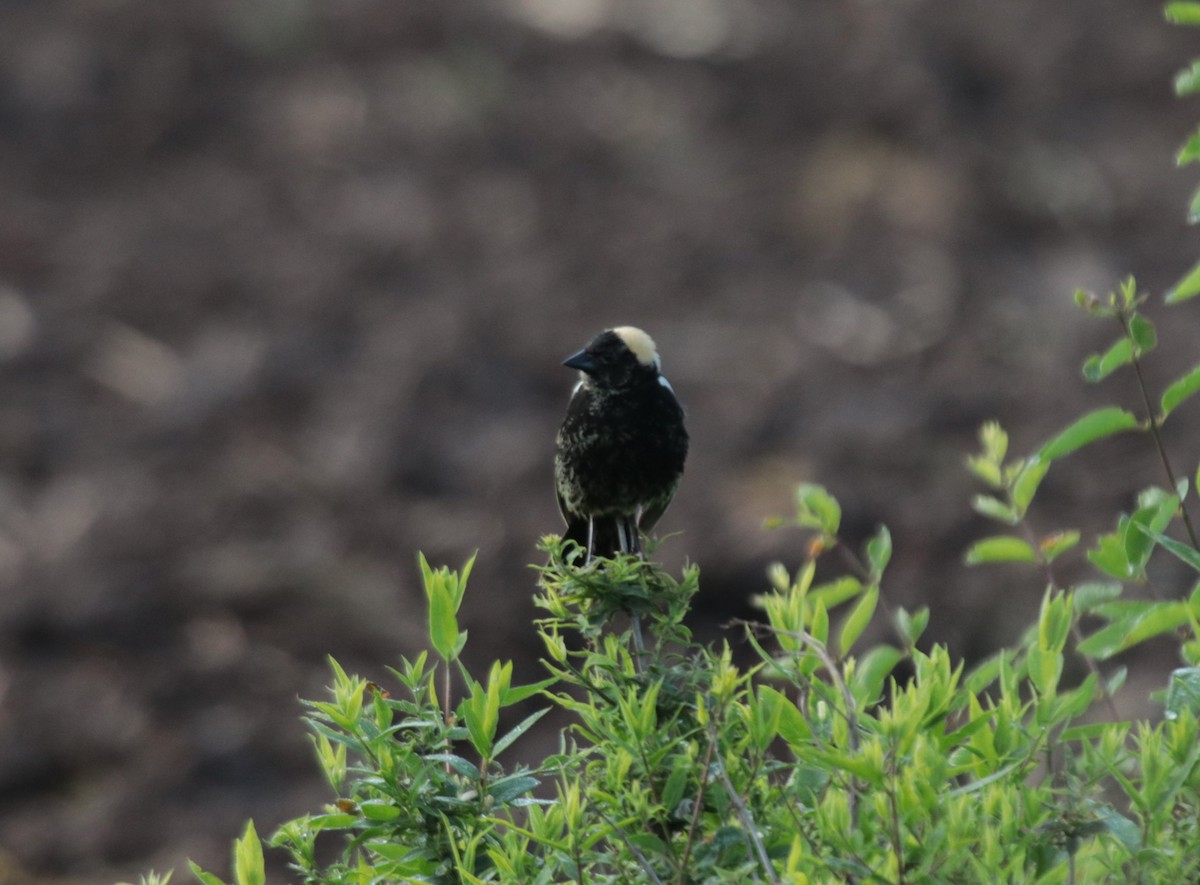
{"x":590,"y":540}
{"x":622,"y":535}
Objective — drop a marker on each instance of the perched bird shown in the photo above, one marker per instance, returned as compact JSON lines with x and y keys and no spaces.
{"x":622,"y":445}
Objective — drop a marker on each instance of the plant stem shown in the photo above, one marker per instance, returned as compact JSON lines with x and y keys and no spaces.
{"x":696,"y":809}
{"x":1155,"y":430}
{"x":743,"y":813}
{"x":894,"y":811}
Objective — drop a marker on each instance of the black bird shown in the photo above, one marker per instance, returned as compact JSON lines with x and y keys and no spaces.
{"x":622,"y":445}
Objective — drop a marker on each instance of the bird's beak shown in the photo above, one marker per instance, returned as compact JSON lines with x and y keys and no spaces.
{"x":580,"y":361}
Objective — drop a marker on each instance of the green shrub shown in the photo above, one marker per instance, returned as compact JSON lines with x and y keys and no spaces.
{"x":817,"y":763}
{"x":824,"y":760}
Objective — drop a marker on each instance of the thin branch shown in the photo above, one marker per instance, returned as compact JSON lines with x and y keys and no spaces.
{"x":894,"y":810}
{"x":1155,"y":430}
{"x":743,"y":813}
{"x":633,"y":849}
{"x":696,"y":809}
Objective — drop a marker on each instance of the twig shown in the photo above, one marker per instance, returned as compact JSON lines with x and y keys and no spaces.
{"x":743,"y":813}
{"x":697,"y":808}
{"x":641,"y":858}
{"x":896,"y":837}
{"x":1155,"y":430}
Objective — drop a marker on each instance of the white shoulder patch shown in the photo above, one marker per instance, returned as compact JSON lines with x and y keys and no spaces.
{"x":662,"y":379}
{"x":640,"y":343}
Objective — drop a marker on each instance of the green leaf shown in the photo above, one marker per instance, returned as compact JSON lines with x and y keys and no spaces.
{"x":1190,"y":152}
{"x":1097,"y":367}
{"x":1182,"y":551}
{"x":1136,"y":625}
{"x":463,"y":766}
{"x":480,"y":711}
{"x":1183,"y":13}
{"x":985,"y":673}
{"x":1109,"y":556}
{"x":994,"y":440}
{"x":986,"y":470}
{"x":1045,"y":668}
{"x":1188,"y":287}
{"x":1156,"y":509}
{"x":650,"y":844}
{"x":509,"y":788}
{"x":518,"y":693}
{"x":977,"y":785}
{"x":1183,"y":692}
{"x":836,"y":592}
{"x":1106,"y":641}
{"x":859,"y":766}
{"x":205,"y":878}
{"x":819,"y":628}
{"x":1089,"y":732}
{"x":377,"y":810}
{"x":1179,"y":390}
{"x":523,"y":726}
{"x":1144,"y":335}
{"x":1087,"y":596}
{"x":793,"y":727}
{"x":442,"y":598}
{"x":1001,"y":548}
{"x":248,"y":866}
{"x":858,"y":619}
{"x":1026,"y":484}
{"x":872,"y":671}
{"x":672,"y":793}
{"x":817,"y":509}
{"x":1187,"y":81}
{"x":1127,"y":832}
{"x":994,"y":508}
{"x":1077,"y":701}
{"x":322,"y":822}
{"x":1129,"y":295}
{"x":1193,"y":215}
{"x":879,"y":550}
{"x":1054,"y":621}
{"x":1053,"y":546}
{"x":1091,"y":427}
{"x":912,"y":626}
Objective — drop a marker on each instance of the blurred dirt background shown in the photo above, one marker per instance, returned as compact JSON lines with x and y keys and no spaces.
{"x":285,"y":285}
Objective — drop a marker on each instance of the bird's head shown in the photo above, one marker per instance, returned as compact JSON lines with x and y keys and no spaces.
{"x":617,"y":357}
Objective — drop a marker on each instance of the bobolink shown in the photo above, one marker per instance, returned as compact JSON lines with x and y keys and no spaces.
{"x":622,"y":445}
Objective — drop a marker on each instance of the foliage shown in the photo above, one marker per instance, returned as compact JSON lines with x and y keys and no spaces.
{"x":1187,"y":82}
{"x":824,"y":758}
{"x":817,"y":762}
